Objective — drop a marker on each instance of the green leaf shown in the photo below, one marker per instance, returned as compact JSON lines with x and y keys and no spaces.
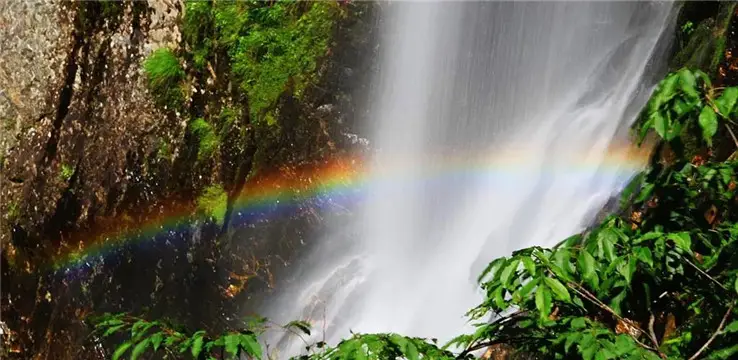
{"x":111,"y":330}
{"x":726,"y":102}
{"x":529,"y":265}
{"x":708,"y":122}
{"x":644,"y":255}
{"x":121,"y":350}
{"x":726,"y":175}
{"x":231,"y":343}
{"x":645,"y":193}
{"x":617,"y":300}
{"x":578,"y":323}
{"x":606,"y":244}
{"x":688,"y":83}
{"x":411,"y":352}
{"x":303,"y":326}
{"x":558,"y":289}
{"x":156,"y":340}
{"x":736,"y":284}
{"x":626,"y":268}
{"x":726,"y":353}
{"x":499,"y":298}
{"x":509,"y":271}
{"x":197,"y":346}
{"x":661,"y":125}
{"x":587,"y":267}
{"x":561,"y":259}
{"x":492,"y":268}
{"x":140,"y":348}
{"x":682,"y":241}
{"x":172,"y":339}
{"x":572,"y":338}
{"x":732,"y":327}
{"x":251,"y":346}
{"x":527,"y":289}
{"x":543,"y":302}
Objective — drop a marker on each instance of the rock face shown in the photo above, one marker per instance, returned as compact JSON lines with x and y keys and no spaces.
{"x":85,"y":151}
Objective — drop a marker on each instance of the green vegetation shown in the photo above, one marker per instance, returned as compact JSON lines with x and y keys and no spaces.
{"x":657,"y":281}
{"x":687,"y":28}
{"x":66,"y":172}
{"x":164,"y":150}
{"x":12,"y":211}
{"x":207,"y":138}
{"x":702,"y":44}
{"x":280,"y":46}
{"x":265,"y":48}
{"x":165,"y":77}
{"x":213,"y":203}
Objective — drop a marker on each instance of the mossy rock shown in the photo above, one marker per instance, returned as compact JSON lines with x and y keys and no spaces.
{"x":213,"y":203}
{"x":705,"y":46}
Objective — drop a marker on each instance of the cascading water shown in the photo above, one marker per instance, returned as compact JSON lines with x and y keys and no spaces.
{"x":492,"y":125}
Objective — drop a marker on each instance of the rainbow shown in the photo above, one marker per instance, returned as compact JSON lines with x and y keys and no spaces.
{"x":336,"y":183}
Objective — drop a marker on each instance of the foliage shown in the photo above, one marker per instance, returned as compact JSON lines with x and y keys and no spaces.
{"x":66,"y":172}
{"x":213,"y":203}
{"x":657,"y":281}
{"x":266,"y":45}
{"x":165,"y":77}
{"x":278,"y":47}
{"x":687,"y":28}
{"x":155,"y":336}
{"x":208,"y":140}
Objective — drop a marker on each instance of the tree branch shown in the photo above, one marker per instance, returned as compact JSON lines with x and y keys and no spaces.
{"x":704,"y":273}
{"x":717,"y":332}
{"x":653,"y":333}
{"x":589,"y":296}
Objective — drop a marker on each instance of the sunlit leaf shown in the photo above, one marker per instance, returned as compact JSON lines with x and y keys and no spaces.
{"x":197,"y":346}
{"x":120,"y":350}
{"x":559,"y":290}
{"x":726,"y":102}
{"x":140,"y":348}
{"x":709,"y":124}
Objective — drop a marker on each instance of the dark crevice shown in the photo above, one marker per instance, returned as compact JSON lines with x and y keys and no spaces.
{"x":65,"y":100}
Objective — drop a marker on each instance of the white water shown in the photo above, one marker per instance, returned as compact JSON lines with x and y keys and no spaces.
{"x":546,"y":86}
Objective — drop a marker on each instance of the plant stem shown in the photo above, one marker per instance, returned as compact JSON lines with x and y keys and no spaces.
{"x":714,"y":335}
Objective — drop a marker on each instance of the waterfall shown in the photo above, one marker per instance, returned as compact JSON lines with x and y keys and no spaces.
{"x":492,"y":123}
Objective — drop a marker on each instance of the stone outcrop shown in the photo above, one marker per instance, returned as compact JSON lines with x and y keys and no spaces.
{"x":85,"y":151}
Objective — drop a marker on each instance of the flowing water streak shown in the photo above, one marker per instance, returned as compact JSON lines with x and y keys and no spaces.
{"x":552,"y":79}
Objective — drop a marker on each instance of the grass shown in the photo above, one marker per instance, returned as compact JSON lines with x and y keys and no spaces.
{"x":207,"y":137}
{"x":165,"y":77}
{"x":213,"y":203}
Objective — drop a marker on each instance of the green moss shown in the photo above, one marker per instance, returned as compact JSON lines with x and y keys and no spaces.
{"x":213,"y":203}
{"x":66,"y":172}
{"x":267,"y":45}
{"x":226,"y":120}
{"x":278,"y":47}
{"x":164,"y":150}
{"x":165,"y":78}
{"x":208,"y":140}
{"x":705,"y":45}
{"x":12,"y":211}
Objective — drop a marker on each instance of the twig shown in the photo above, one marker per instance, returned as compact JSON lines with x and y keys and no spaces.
{"x":735,"y":141}
{"x":653,"y":333}
{"x":717,"y":332}
{"x":212,"y":72}
{"x":704,"y":273}
{"x":589,"y":296}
